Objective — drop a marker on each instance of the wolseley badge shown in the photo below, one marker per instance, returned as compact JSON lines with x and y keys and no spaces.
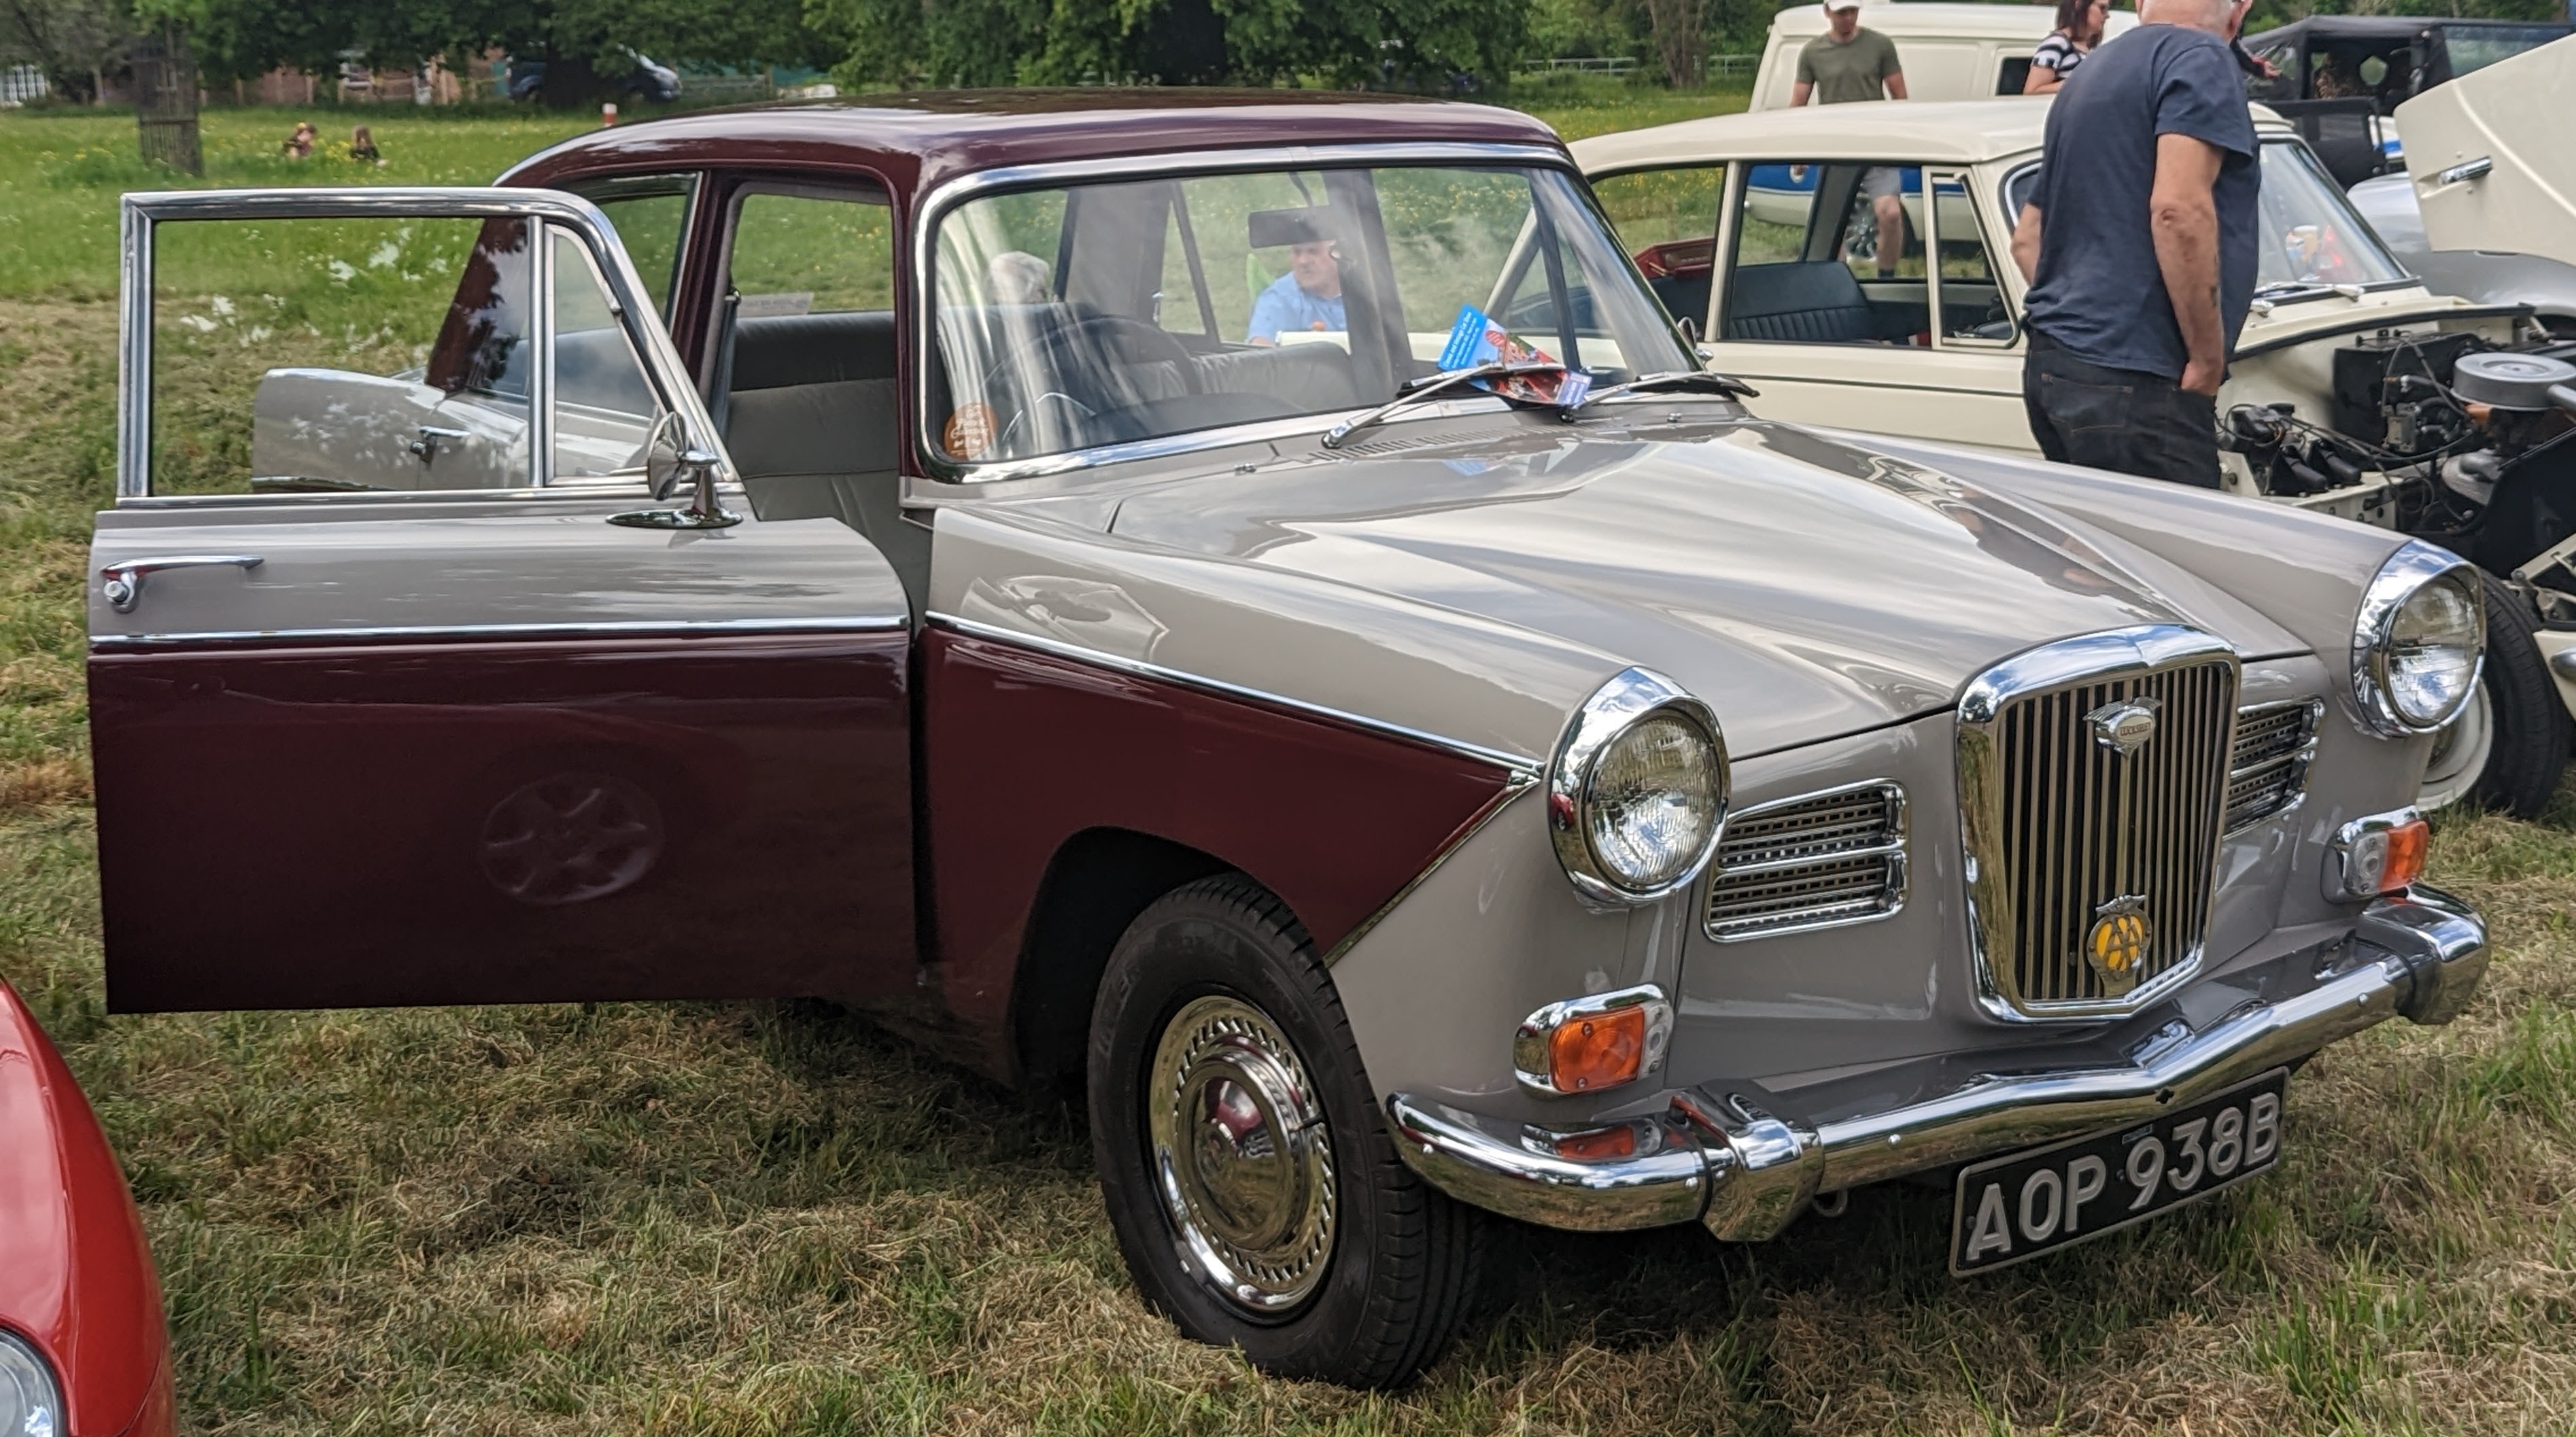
{"x":2125,"y":726}
{"x":2117,"y":946}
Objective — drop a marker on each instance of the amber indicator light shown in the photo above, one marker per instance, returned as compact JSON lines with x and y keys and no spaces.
{"x":2407,"y":846}
{"x":1599,"y":1145}
{"x":1600,"y":1051}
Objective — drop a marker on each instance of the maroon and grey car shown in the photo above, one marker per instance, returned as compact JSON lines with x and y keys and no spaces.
{"x":1018,"y":563}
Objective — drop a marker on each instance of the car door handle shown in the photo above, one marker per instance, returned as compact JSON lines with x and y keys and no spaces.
{"x":124,"y":586}
{"x":2466,"y":170}
{"x":425,"y":448}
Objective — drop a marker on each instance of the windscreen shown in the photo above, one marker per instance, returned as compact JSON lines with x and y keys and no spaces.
{"x":2308,"y":234}
{"x":1097,"y":314}
{"x":2474,"y":47}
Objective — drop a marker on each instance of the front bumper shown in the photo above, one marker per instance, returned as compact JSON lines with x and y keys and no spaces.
{"x":1745,"y":1172}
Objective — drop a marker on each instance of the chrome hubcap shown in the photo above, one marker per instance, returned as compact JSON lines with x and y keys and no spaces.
{"x":1242,"y":1154}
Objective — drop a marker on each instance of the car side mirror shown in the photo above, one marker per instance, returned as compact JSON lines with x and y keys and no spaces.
{"x":669,"y":458}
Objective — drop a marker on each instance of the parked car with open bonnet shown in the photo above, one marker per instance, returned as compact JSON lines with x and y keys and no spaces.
{"x":2353,"y":390}
{"x":1020,"y":564}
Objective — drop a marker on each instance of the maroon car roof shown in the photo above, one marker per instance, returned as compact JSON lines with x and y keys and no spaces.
{"x":914,"y":141}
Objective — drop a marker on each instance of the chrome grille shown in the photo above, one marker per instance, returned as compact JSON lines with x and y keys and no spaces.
{"x":2066,"y":833}
{"x":2267,"y":771}
{"x":1810,"y":862}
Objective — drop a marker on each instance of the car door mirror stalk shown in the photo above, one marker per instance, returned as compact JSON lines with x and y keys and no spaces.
{"x":703,"y":511}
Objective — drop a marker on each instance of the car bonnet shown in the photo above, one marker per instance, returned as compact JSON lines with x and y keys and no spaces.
{"x":2490,"y":158}
{"x":1804,"y":587}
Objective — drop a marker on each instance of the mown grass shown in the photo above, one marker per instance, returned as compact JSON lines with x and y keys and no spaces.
{"x":774,"y":1219}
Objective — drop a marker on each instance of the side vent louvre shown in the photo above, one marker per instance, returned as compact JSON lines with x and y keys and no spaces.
{"x":2267,"y":771}
{"x":1815,"y":861}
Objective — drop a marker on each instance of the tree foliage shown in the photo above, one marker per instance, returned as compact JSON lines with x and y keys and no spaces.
{"x":72,"y":41}
{"x":1398,"y":44}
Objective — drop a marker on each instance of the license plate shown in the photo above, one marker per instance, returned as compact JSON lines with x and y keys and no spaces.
{"x":2027,"y":1203}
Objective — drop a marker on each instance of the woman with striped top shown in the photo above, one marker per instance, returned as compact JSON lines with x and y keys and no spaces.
{"x":2079,"y":29}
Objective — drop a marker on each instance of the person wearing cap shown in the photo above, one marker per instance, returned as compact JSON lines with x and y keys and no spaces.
{"x":1848,"y":63}
{"x":1307,"y":298}
{"x":2141,"y":255}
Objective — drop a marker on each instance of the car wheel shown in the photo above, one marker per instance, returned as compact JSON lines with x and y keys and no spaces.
{"x":1255,"y":1192}
{"x":2529,"y":720}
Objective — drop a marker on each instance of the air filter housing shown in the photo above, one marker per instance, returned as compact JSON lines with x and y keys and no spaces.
{"x":2509,"y":381}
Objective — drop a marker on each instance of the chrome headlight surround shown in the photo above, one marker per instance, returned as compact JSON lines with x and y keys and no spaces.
{"x":1630,"y":698}
{"x":31,"y":1401}
{"x":2407,"y":575}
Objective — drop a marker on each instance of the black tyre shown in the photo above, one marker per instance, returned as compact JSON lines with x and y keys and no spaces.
{"x":2532,"y":729}
{"x":1256,"y":1194}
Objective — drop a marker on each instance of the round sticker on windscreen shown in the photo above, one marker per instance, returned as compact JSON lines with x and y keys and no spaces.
{"x":969,"y":432}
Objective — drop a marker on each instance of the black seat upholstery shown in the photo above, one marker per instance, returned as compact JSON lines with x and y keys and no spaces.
{"x":810,"y":422}
{"x":1811,"y":302}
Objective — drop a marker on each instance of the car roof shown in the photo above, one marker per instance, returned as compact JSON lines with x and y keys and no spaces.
{"x":1928,"y":18}
{"x":1955,"y":131}
{"x":913,"y":142}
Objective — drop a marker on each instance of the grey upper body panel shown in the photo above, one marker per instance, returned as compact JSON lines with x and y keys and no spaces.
{"x":428,"y":565}
{"x":1477,"y":578}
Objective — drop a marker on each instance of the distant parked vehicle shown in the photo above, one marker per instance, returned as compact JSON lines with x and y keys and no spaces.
{"x":1949,"y":51}
{"x":2342,"y":77}
{"x":646,"y":78}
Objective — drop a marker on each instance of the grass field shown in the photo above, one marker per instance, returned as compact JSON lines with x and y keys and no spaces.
{"x":773,"y":1219}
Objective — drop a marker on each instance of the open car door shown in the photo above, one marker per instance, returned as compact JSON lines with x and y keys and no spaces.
{"x":404,"y":687}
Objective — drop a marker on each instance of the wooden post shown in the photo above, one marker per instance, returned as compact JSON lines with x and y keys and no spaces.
{"x":165,"y":100}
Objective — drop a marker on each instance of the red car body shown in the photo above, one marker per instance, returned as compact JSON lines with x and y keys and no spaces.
{"x":76,"y":1278}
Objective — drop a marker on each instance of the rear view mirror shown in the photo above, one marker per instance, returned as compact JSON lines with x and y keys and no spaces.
{"x":670,"y":457}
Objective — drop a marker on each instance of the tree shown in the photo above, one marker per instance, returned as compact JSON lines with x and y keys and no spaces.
{"x":74,"y":42}
{"x":1681,"y":39}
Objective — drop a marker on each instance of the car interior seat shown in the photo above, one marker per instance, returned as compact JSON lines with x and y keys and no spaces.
{"x":1804,"y":301}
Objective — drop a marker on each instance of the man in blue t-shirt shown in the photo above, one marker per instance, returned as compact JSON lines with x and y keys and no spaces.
{"x":1307,"y":298}
{"x":2138,"y":243}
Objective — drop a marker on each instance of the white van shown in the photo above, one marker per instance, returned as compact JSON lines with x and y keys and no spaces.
{"x":1948,"y":51}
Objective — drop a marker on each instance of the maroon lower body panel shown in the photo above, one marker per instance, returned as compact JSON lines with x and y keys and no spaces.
{"x":505,"y":822}
{"x":1024,"y":750}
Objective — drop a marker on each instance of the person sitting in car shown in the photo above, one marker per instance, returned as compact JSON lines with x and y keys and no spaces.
{"x":2079,"y":29}
{"x":1307,"y":299}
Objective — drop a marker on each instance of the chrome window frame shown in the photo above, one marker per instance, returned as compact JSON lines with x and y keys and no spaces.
{"x":1900,"y":867}
{"x":935,"y":206}
{"x":2085,"y":658}
{"x":142,"y":212}
{"x":1966,"y":178}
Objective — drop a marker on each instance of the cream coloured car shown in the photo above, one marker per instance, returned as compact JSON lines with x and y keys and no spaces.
{"x":2354,"y":392}
{"x":1949,"y":51}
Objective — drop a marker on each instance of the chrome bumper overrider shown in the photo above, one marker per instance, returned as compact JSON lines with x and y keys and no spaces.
{"x":1746,"y":1173}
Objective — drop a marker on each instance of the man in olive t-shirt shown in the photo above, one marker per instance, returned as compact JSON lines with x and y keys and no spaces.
{"x":1849,"y":63}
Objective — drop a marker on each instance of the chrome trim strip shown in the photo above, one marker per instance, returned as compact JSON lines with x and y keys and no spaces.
{"x":1900,"y":870}
{"x":2414,"y":565}
{"x":2420,"y":956}
{"x":1516,"y":764}
{"x":1993,"y":940}
{"x":141,"y":211}
{"x":617,"y":629}
{"x":1516,"y":784}
{"x":933,"y":207}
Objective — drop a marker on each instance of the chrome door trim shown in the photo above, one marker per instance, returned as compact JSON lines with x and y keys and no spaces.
{"x":935,"y":206}
{"x":610,"y":629}
{"x":1520,"y":767}
{"x":142,"y":211}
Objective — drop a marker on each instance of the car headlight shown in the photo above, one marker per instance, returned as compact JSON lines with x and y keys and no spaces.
{"x":1638,"y":791}
{"x":2418,"y":642}
{"x":30,"y":1404}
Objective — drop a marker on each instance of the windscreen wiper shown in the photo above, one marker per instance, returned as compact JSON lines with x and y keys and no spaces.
{"x":1674,"y":381}
{"x":1416,"y":391}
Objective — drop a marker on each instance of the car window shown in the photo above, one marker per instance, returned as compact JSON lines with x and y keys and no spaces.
{"x":1099,"y":313}
{"x":651,"y":216}
{"x":604,"y":406}
{"x":1667,"y":221}
{"x":2308,"y":234}
{"x":321,"y":356}
{"x":810,"y":254}
{"x":1972,"y":300}
{"x":1829,"y":253}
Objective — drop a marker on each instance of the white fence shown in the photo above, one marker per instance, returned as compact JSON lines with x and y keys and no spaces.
{"x":21,"y":83}
{"x":1718,"y":66}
